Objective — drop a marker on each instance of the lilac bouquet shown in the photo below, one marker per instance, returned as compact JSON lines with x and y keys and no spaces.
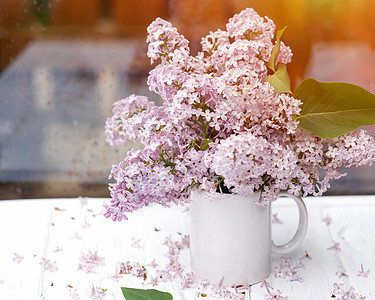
{"x":230,"y":123}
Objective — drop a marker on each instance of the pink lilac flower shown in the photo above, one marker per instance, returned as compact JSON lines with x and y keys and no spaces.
{"x":85,"y":224}
{"x":127,"y":114}
{"x":327,"y":219}
{"x":279,"y":272}
{"x":139,"y":271}
{"x":124,"y":268}
{"x":249,"y":25}
{"x":153,"y":264}
{"x":285,"y":55}
{"x":135,"y":269}
{"x":141,"y":183}
{"x":154,"y":280}
{"x":306,"y":256}
{"x":275,"y":219}
{"x":164,"y":275}
{"x":341,"y":272}
{"x":300,"y":264}
{"x":165,"y":42}
{"x":242,"y":288}
{"x":17,"y":258}
{"x":73,"y":292}
{"x":265,"y":284}
{"x":136,"y":243}
{"x":288,"y":270}
{"x":82,"y":201}
{"x":270,"y":294}
{"x":58,"y":249}
{"x":188,"y":281}
{"x":363,"y":273}
{"x":185,"y":242}
{"x":76,"y":236}
{"x":211,"y":42}
{"x":275,"y":296}
{"x":97,"y":293}
{"x":89,"y":261}
{"x":220,"y":291}
{"x":48,"y":265}
{"x":121,"y":269}
{"x":338,"y":288}
{"x":336,"y":246}
{"x":243,"y":156}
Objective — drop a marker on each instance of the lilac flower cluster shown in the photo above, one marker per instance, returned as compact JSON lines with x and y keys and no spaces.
{"x":222,"y":125}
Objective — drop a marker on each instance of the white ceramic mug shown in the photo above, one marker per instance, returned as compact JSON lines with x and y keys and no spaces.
{"x":230,"y":237}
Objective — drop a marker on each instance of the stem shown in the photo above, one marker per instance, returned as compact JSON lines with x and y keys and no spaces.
{"x":204,"y":128}
{"x":166,"y":46}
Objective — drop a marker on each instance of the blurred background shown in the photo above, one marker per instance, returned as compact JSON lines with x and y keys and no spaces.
{"x":64,"y":62}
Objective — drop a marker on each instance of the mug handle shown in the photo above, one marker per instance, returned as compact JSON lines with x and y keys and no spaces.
{"x":301,"y":230}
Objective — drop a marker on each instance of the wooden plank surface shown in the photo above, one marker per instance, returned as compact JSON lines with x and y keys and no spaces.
{"x":65,"y":249}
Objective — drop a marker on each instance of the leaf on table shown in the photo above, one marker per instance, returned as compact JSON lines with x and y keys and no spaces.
{"x":280,"y":80}
{"x":331,"y":109}
{"x":139,"y":294}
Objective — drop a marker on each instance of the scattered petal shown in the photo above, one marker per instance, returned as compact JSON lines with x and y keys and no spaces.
{"x":83,"y":201}
{"x":270,"y":295}
{"x":58,"y":249}
{"x":96,"y":293}
{"x":76,"y":236}
{"x":276,"y":220}
{"x":17,"y":258}
{"x":136,"y":243}
{"x":88,"y":262}
{"x":73,"y":292}
{"x":86,"y":224}
{"x":327,"y":219}
{"x":48,"y":265}
{"x":336,"y":246}
{"x":363,"y":273}
{"x":341,"y":272}
{"x":307,"y":256}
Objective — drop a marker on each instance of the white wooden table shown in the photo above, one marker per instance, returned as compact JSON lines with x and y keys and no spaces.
{"x":64,"y":248}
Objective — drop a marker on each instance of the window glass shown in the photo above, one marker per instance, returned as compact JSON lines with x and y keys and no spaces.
{"x":63,"y":63}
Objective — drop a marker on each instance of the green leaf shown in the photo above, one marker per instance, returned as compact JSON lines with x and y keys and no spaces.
{"x":275,"y":50}
{"x":139,"y":294}
{"x":280,"y":81}
{"x":205,"y":144}
{"x":331,"y":109}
